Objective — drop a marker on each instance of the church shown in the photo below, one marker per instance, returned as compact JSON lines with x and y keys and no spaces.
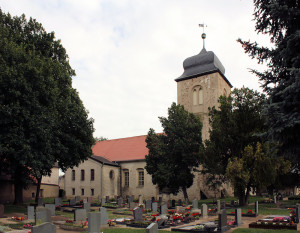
{"x":117,"y":167}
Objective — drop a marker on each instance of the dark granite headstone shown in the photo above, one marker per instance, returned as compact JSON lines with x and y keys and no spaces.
{"x":138,"y":214}
{"x":153,"y":199}
{"x":297,"y":218}
{"x":160,"y":199}
{"x":223,"y":205}
{"x":107,"y":198}
{"x":173,"y":203}
{"x":232,"y":202}
{"x":40,"y":202}
{"x":222,"y":221}
{"x":180,"y":202}
{"x":46,"y":227}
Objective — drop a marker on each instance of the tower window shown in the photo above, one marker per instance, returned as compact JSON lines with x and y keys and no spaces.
{"x":197,"y":95}
{"x":82,"y":175}
{"x":92,"y":174}
{"x":73,"y":174}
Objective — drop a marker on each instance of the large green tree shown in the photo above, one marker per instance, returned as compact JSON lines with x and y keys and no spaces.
{"x":235,"y":124}
{"x":280,"y":19}
{"x":174,"y":154}
{"x":43,"y":120}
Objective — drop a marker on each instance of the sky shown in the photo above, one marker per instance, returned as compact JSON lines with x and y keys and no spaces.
{"x":127,"y":53}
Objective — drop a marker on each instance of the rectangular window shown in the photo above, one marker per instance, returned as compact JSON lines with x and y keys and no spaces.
{"x":82,"y":174}
{"x":73,"y":191}
{"x":73,"y":174}
{"x":92,"y":192}
{"x":92,"y":174}
{"x":126,"y":176}
{"x":82,"y":192}
{"x":141,"y":178}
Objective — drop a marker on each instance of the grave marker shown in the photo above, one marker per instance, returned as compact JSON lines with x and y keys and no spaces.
{"x":238,"y":216}
{"x":40,"y":201}
{"x":94,"y":223}
{"x":107,"y":198}
{"x":160,"y":199}
{"x":275,"y":201}
{"x":46,"y":227}
{"x":204,"y":211}
{"x":148,"y":204}
{"x":103,"y":200}
{"x":119,"y":202}
{"x":72,"y":202}
{"x":297,"y":218}
{"x":42,"y":215}
{"x":256,"y":208}
{"x":154,"y":206}
{"x":163,"y":209}
{"x":152,"y":228}
{"x":57,"y":201}
{"x":80,"y":215}
{"x":30,"y":212}
{"x":218,"y":206}
{"x":223,"y":205}
{"x":195,"y":204}
{"x":104,"y":216}
{"x":180,"y":202}
{"x":141,"y":200}
{"x":138,"y":214}
{"x":77,"y":198}
{"x":51,"y":207}
{"x":222,"y":221}
{"x":132,"y":205}
{"x":87,"y":206}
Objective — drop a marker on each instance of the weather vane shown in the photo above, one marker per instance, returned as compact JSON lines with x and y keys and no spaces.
{"x":203,"y":34}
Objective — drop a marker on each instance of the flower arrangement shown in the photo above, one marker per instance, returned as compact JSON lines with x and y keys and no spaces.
{"x":70,"y":221}
{"x":27,"y":226}
{"x":250,"y":212}
{"x":111,"y":223}
{"x":84,"y":224}
{"x":18,"y":218}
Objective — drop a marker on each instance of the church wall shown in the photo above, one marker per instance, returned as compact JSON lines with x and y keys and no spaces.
{"x":111,"y":181}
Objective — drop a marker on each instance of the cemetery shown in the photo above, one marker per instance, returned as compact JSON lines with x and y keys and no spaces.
{"x":195,"y":216}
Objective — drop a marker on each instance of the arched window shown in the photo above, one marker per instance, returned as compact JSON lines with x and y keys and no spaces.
{"x":195,"y":93}
{"x":200,"y":96}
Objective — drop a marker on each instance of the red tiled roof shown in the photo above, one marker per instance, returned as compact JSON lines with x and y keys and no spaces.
{"x":133,"y":148}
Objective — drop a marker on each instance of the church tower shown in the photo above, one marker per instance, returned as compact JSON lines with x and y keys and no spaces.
{"x":201,"y":84}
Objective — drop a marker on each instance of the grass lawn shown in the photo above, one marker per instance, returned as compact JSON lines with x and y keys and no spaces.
{"x":15,"y":209}
{"x":252,"y":230}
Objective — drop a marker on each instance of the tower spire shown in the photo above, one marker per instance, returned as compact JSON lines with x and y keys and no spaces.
{"x":203,"y":34}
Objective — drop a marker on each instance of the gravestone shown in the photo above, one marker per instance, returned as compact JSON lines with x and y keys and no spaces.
{"x":1,"y":211}
{"x":160,"y":199}
{"x":57,"y":201}
{"x":72,"y":202}
{"x":103,"y":200}
{"x":161,"y":222}
{"x":119,"y":202}
{"x":256,"y":208}
{"x":180,"y":209}
{"x":30,"y":212}
{"x":163,"y":209}
{"x":42,"y":215}
{"x":138,"y":214}
{"x":148,"y":204}
{"x":87,"y":206}
{"x":51,"y":207}
{"x":223,"y":205}
{"x":129,"y":199}
{"x":275,"y":199}
{"x":141,"y":200}
{"x":104,"y":216}
{"x":218,"y":206}
{"x":107,"y":198}
{"x":80,"y":215}
{"x":40,"y":202}
{"x":94,"y":223}
{"x":222,"y":221}
{"x":180,"y":202}
{"x":132,"y":205}
{"x":195,"y":204}
{"x":204,"y":211}
{"x":77,"y":198}
{"x":152,"y":228}
{"x":238,"y":217}
{"x":297,"y":218}
{"x":85,"y":200}
{"x":173,"y":203}
{"x":154,"y":206}
{"x":46,"y":227}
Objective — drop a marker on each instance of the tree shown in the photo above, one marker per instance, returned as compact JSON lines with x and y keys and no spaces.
{"x":234,"y":125}
{"x":281,"y":20}
{"x":43,"y":120}
{"x":174,"y":154}
{"x":99,"y":139}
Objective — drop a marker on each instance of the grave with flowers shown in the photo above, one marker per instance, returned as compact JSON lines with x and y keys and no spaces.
{"x":276,"y":222}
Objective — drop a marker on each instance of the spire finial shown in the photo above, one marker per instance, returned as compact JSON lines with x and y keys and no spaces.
{"x":203,"y":34}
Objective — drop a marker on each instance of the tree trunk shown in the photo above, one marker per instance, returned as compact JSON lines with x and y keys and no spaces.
{"x":185,"y":195}
{"x":18,"y":187}
{"x":38,"y":187}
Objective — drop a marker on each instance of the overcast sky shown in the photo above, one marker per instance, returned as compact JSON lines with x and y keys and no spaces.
{"x":127,"y":53}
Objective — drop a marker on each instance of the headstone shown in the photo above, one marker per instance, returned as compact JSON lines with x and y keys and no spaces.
{"x":42,"y":215}
{"x":148,"y":204}
{"x":30,"y":212}
{"x":72,"y":202}
{"x":94,"y":223}
{"x":256,"y":208}
{"x":138,"y":214}
{"x":77,"y":198}
{"x":180,"y":209}
{"x":120,"y":202}
{"x":232,"y":202}
{"x":107,"y":198}
{"x":46,"y":227}
{"x":297,"y":218}
{"x":132,"y":205}
{"x":160,"y":199}
{"x":173,"y":203}
{"x":140,"y":199}
{"x":51,"y":207}
{"x":40,"y":201}
{"x":204,"y":211}
{"x":152,"y":228}
{"x":218,"y":206}
{"x":85,"y":200}
{"x":180,"y":202}
{"x":223,"y":205}
{"x":57,"y":201}
{"x":275,"y":199}
{"x":1,"y":210}
{"x":161,"y":222}
{"x":103,"y":200}
{"x":163,"y":209}
{"x":222,"y":221}
{"x":80,"y":215}
{"x":238,"y":217}
{"x":87,"y":206}
{"x":104,"y":216}
{"x":129,"y":199}
{"x":195,"y":204}
{"x":154,"y":206}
